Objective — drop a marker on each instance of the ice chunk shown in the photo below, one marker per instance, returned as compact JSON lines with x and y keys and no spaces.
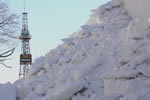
{"x":121,"y":86}
{"x":65,"y":91}
{"x":68,"y":40}
{"x":141,"y":11}
{"x":116,"y":3}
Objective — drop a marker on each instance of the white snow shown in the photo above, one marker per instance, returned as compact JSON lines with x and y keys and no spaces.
{"x":139,"y":9}
{"x":107,"y":59}
{"x":65,"y":90}
{"x":7,"y":92}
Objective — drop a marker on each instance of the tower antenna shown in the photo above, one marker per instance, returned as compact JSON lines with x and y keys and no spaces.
{"x":25,"y":56}
{"x":24,"y":3}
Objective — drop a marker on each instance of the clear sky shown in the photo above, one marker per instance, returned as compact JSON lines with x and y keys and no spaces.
{"x":49,"y":22}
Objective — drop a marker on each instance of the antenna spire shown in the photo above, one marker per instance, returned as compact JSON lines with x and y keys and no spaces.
{"x":25,"y":56}
{"x":24,"y":3}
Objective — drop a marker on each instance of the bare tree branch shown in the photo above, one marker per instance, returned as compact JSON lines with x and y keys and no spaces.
{"x":2,"y":60}
{"x":7,"y":53}
{"x":5,"y":65}
{"x":8,"y":29}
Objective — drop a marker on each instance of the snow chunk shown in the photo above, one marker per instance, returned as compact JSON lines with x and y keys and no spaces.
{"x":116,"y":3}
{"x":65,"y":91}
{"x":124,"y":87}
{"x":68,"y":40}
{"x":36,"y":66}
{"x":141,"y":11}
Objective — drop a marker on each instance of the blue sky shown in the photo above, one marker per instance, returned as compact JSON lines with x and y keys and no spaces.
{"x":49,"y":22}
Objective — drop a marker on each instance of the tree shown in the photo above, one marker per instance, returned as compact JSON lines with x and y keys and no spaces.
{"x":8,"y":30}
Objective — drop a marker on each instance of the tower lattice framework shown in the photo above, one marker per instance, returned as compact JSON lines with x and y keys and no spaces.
{"x":25,"y":56}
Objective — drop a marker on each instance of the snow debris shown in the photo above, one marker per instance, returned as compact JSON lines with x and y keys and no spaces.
{"x":116,"y":3}
{"x":68,"y":40}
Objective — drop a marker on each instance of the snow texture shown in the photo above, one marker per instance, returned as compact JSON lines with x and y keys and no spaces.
{"x":139,"y":9}
{"x":7,"y":92}
{"x":107,"y":59}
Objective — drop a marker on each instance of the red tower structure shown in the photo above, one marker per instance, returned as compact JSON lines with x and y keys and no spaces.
{"x":25,"y":56}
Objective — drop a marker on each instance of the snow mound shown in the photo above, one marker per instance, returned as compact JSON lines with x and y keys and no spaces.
{"x":7,"y":92}
{"x":108,"y":59}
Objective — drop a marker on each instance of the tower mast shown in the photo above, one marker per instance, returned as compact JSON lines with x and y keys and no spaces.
{"x":25,"y":56}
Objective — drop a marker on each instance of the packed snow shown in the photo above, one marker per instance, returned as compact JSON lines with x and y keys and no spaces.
{"x":139,"y":9}
{"x":7,"y":92}
{"x":107,"y":59}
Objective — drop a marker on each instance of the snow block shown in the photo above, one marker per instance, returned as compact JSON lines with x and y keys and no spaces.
{"x":120,"y":86}
{"x":141,"y":11}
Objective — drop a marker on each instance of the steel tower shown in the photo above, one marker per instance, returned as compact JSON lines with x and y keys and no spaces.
{"x":25,"y":56}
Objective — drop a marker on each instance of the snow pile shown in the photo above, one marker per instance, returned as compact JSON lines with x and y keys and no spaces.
{"x":108,"y":59}
{"x":7,"y":92}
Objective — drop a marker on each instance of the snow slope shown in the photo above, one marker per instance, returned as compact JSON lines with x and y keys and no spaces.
{"x":107,"y":59}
